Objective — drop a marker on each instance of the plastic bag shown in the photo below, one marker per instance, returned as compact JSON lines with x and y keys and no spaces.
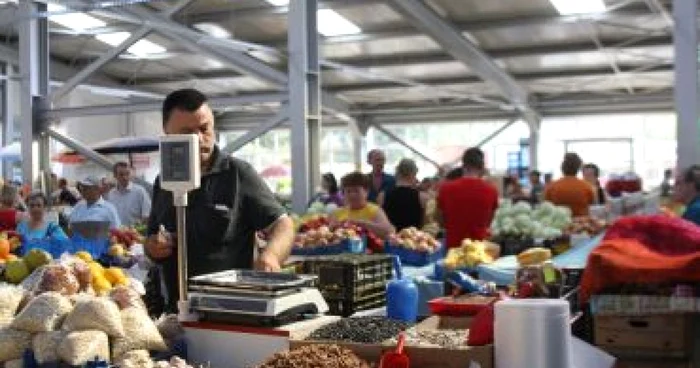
{"x":126,"y":297}
{"x":59,"y":278}
{"x":170,"y":328}
{"x":134,"y":359}
{"x":13,"y":343}
{"x":45,"y":346}
{"x":43,"y":313}
{"x":140,"y":332}
{"x":10,"y":298}
{"x":78,"y":347}
{"x":95,"y":313}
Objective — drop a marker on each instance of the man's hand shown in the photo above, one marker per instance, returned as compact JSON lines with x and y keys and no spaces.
{"x":159,"y":246}
{"x":268,"y":262}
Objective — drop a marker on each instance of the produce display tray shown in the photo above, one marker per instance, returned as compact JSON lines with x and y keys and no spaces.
{"x":346,"y":246}
{"x":413,"y":257}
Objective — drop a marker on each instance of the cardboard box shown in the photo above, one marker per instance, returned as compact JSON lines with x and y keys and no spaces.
{"x":424,"y":357}
{"x":645,"y":336}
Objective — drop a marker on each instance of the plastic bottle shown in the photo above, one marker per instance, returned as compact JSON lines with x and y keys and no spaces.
{"x":401,"y":296}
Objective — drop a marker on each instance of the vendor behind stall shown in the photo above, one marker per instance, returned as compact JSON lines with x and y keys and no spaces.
{"x":358,"y":210}
{"x":37,"y":226}
{"x":467,"y":205}
{"x":570,"y":191}
{"x":93,"y":208}
{"x":223,"y":215}
{"x":687,"y":191}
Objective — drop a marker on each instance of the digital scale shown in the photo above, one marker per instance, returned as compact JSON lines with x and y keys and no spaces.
{"x":236,"y":296}
{"x":253,"y":297}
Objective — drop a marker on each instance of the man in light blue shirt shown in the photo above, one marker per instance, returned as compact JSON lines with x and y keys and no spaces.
{"x":93,"y":208}
{"x":131,"y":200}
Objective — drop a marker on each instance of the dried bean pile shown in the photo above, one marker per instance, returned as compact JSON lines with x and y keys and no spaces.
{"x":368,"y":330}
{"x":451,"y":339}
{"x":316,"y":356}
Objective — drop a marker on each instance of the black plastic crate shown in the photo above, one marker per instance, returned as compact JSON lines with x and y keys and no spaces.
{"x":351,"y":282}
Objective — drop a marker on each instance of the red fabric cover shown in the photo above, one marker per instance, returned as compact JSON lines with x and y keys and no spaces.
{"x":481,"y":329}
{"x":643,"y":250}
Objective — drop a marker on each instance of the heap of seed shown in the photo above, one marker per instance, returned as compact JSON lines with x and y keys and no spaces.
{"x":444,"y":338}
{"x":367,"y":330}
{"x":316,"y":356}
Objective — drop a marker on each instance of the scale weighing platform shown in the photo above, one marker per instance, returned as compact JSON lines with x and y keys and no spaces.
{"x":252,"y":297}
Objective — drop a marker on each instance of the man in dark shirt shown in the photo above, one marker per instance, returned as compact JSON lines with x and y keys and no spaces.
{"x":379,"y":180}
{"x":223,"y":215}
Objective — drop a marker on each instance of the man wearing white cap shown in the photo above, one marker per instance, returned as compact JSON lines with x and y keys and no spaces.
{"x":93,"y":207}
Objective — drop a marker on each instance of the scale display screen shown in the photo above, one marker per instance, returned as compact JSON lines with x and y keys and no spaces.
{"x":175,"y":161}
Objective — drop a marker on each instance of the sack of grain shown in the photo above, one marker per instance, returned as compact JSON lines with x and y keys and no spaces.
{"x":134,"y":359}
{"x":13,"y":343}
{"x":10,"y":298}
{"x":140,"y":332}
{"x":43,"y":313}
{"x":45,"y":346}
{"x":95,"y":313}
{"x":79,"y":347}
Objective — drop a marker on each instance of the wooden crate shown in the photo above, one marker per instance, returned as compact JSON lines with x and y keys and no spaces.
{"x":645,"y":336}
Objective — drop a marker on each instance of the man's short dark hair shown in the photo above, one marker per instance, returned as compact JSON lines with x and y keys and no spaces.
{"x":120,"y":164}
{"x":355,"y":179}
{"x":473,"y":158}
{"x":535,"y":173}
{"x":187,"y":99}
{"x":571,"y":164}
{"x":691,"y":175}
{"x":594,"y":167}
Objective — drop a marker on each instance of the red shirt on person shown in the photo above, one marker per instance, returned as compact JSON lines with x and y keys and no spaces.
{"x":467,"y":206}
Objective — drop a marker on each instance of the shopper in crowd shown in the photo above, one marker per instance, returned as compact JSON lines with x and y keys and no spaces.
{"x":93,"y":208}
{"x":666,"y":186}
{"x":591,"y":174}
{"x":231,"y":205}
{"x":454,"y":174}
{"x":466,"y":206}
{"x":131,"y":200}
{"x":536,"y":187}
{"x":106,"y":186}
{"x":570,"y":191}
{"x":513,"y":190}
{"x":379,"y":180}
{"x":687,"y":191}
{"x":330,"y":192}
{"x":36,"y":226}
{"x":358,"y":210}
{"x":65,"y":195}
{"x":10,"y":216}
{"x":405,"y":204}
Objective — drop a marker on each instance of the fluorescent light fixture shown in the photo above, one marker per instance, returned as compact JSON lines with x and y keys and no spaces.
{"x":141,"y":48}
{"x":75,"y":21}
{"x":278,"y":2}
{"x":572,"y":7}
{"x":213,"y":30}
{"x":331,"y":24}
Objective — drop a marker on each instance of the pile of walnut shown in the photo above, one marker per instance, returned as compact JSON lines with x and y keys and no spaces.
{"x":316,"y":356}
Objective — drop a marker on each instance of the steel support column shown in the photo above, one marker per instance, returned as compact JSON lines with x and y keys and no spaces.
{"x":34,"y":64}
{"x":687,"y":96}
{"x":304,"y":101}
{"x":6,"y":112}
{"x":402,"y":142}
{"x":264,"y":127}
{"x":534,"y":147}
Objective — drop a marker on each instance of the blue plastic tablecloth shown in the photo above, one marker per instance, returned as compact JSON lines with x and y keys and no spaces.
{"x":502,"y":271}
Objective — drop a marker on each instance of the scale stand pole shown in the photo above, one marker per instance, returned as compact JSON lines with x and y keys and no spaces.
{"x":183,"y":305}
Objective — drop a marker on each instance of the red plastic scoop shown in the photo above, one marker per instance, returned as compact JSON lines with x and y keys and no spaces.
{"x":396,"y":359}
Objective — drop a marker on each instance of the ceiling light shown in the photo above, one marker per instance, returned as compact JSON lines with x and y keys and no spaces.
{"x":213,"y":30}
{"x":278,"y":2}
{"x":331,"y":24}
{"x":141,"y":48}
{"x":75,"y":21}
{"x":571,"y":7}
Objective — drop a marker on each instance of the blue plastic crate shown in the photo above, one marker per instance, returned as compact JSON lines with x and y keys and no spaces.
{"x":97,"y":248}
{"x":412,"y":257}
{"x":54,"y":246}
{"x":345,"y":246}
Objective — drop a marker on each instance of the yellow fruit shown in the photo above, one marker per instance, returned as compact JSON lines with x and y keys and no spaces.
{"x":85,"y":256}
{"x":12,"y":257}
{"x":114,"y":275}
{"x":16,"y":271}
{"x":37,"y":258}
{"x":117,"y":250}
{"x":101,"y":285}
{"x":96,"y":269}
